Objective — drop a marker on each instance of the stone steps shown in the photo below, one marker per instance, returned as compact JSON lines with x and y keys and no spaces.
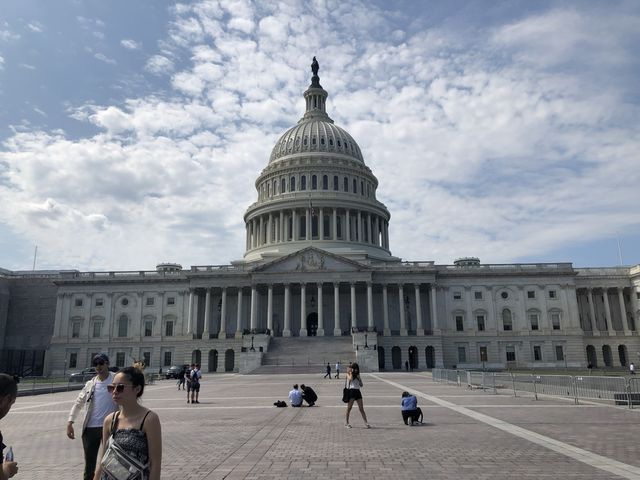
{"x":308,"y":354}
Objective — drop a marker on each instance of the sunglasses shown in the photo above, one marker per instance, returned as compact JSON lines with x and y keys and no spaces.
{"x":98,"y":362}
{"x":118,"y":388}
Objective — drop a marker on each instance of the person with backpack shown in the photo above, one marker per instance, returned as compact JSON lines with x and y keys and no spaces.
{"x":187,"y":375}
{"x":196,"y":375}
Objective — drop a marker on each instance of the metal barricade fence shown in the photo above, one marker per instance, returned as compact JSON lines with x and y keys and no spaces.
{"x":558,"y":385}
{"x":601,"y":388}
{"x":634,"y":391}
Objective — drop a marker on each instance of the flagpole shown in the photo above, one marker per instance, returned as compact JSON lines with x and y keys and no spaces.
{"x":619,"y":249}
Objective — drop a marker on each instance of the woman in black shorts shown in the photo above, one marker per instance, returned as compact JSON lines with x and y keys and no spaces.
{"x":354,"y":384}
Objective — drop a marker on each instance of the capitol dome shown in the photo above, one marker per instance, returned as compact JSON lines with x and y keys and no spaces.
{"x":317,"y":191}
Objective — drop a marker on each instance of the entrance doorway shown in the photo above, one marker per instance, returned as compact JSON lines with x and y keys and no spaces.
{"x":312,"y":324}
{"x":413,"y":358}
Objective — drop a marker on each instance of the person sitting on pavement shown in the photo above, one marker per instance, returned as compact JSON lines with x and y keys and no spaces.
{"x":295,"y":397}
{"x":309,"y":395}
{"x":411,"y":413}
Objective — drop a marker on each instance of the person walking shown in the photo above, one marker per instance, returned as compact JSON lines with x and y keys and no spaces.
{"x":354,"y":384}
{"x":98,"y":403}
{"x":133,"y":430}
{"x":328,"y":371}
{"x":196,"y":375}
{"x":632,"y":369}
{"x":337,"y":370}
{"x":181,"y":377}
{"x":8,"y":394}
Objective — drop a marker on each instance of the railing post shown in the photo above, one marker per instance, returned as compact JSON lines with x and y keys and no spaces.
{"x":513,"y":382}
{"x":535,"y":389}
{"x":574,"y":381}
{"x":627,"y":383}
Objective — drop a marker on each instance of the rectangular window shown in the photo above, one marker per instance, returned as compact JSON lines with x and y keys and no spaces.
{"x":533,"y":320}
{"x":537,"y":353}
{"x":97,"y":328}
{"x":78,"y":302}
{"x":555,"y":321}
{"x":552,"y":294}
{"x":167,"y":359}
{"x":146,"y":358}
{"x":483,"y":354}
{"x":168,"y":329}
{"x":531,"y":294}
{"x":120,"y":359}
{"x":459,"y":323}
{"x":335,"y":183}
{"x":511,"y":353}
{"x":99,"y":302}
{"x":148,"y":328}
{"x":457,"y":295}
{"x":477,"y":295}
{"x":123,"y":326}
{"x":151,"y":301}
{"x":75,"y":330}
{"x":462,"y":355}
{"x":73,"y":360}
{"x":480,"y":320}
{"x":559,"y":353}
{"x":171,"y":300}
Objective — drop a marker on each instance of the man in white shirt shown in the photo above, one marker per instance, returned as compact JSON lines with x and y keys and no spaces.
{"x":295,"y":397}
{"x":99,"y":403}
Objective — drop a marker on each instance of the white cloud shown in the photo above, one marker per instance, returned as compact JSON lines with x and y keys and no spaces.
{"x":35,"y":27}
{"x":159,"y":64}
{"x":103,"y":58}
{"x":488,"y":142}
{"x":1,"y":62}
{"x":130,"y":44}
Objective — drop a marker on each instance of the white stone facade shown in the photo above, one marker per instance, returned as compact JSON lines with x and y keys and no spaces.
{"x":318,"y":262}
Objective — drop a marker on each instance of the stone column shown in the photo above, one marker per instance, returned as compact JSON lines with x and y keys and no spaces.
{"x":369,"y":236}
{"x":359,"y":227}
{"x":354,"y":323}
{"x":347,"y":226}
{"x":270,"y":308}
{"x":223,"y":314}
{"x":303,"y":309}
{"x":320,"y":332}
{"x":247,"y":241}
{"x":192,"y":308}
{"x":571,"y":301}
{"x":286,"y":332}
{"x":623,"y":312}
{"x":607,"y":313}
{"x":369,"y":305}
{"x":419,"y":327}
{"x":635,"y":306}
{"x":253,"y":321}
{"x":403,"y":323}
{"x":269,"y":228}
{"x":58,"y":318}
{"x":239,"y":314}
{"x":385,"y":311}
{"x":335,"y":224}
{"x":434,"y":309}
{"x":337,"y":330}
{"x":294,"y":225}
{"x":321,"y":224}
{"x":592,"y":312}
{"x":207,"y":307}
{"x":308,"y":223}
{"x":281,"y":227}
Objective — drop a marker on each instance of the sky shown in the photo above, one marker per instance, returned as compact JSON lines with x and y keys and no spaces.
{"x":131,"y":133}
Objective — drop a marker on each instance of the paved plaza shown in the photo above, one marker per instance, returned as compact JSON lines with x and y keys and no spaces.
{"x":236,"y":433}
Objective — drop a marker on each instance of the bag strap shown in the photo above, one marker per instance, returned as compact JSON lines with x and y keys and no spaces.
{"x":145,"y":417}
{"x":114,"y":422}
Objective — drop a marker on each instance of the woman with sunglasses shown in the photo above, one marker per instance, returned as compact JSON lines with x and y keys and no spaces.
{"x":134,"y":428}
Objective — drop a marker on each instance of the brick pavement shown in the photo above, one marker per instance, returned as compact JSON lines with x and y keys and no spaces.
{"x":237,"y":433}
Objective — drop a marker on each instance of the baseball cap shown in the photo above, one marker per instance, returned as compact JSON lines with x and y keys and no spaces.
{"x":101,"y":357}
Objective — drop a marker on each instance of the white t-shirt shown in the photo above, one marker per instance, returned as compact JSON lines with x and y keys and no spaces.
{"x":103,"y":404}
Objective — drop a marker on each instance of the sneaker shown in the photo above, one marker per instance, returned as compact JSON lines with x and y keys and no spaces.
{"x":367,"y":425}
{"x":197,"y":401}
{"x":188,"y":401}
{"x":348,"y":425}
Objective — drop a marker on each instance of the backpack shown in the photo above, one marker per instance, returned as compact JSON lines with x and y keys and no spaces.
{"x":280,"y":404}
{"x":194,"y":376}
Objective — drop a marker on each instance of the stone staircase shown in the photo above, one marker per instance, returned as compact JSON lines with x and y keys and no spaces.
{"x":306,"y":354}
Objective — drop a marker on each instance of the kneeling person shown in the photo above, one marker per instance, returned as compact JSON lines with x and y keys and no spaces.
{"x":410,"y":411}
{"x":309,"y":395}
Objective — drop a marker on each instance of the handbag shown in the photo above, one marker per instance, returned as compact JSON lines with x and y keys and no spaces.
{"x":118,"y":465}
{"x":345,"y":392}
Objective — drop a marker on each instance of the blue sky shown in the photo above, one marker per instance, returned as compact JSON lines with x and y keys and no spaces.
{"x":131,"y":133}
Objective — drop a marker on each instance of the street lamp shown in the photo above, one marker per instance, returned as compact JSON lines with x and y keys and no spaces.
{"x":366,"y":345}
{"x":252,"y":349}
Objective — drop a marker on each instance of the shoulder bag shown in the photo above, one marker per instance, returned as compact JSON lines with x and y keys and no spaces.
{"x":345,"y":392}
{"x":118,"y":464}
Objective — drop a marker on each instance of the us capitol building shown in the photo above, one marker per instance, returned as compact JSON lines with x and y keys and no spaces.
{"x":318,"y":270}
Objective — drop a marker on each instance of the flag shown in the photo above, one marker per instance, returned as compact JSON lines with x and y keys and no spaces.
{"x":311,"y":209}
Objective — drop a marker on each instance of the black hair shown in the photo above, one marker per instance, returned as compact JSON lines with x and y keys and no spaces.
{"x":302,"y":386}
{"x":355,"y":371}
{"x":295,"y":386}
{"x":135,"y":376}
{"x":405,"y":394}
{"x":8,"y":386}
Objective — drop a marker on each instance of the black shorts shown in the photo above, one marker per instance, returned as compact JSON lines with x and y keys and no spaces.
{"x":354,"y":394}
{"x":194,"y":387}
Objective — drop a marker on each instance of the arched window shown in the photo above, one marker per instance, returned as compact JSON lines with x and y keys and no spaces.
{"x":283,"y":186}
{"x":313,"y":140}
{"x":361,"y":188}
{"x":322,"y":141}
{"x":305,"y":141}
{"x":303,"y":182}
{"x":355,"y":186}
{"x":268,"y":189}
{"x":314,"y":182}
{"x":345,"y":185}
{"x":327,"y":226}
{"x":507,"y":322}
{"x":335,"y":183}
{"x":325,"y":182}
{"x":368,"y":190}
{"x":331,"y":142}
{"x":292,"y":184}
{"x":275,"y":187}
